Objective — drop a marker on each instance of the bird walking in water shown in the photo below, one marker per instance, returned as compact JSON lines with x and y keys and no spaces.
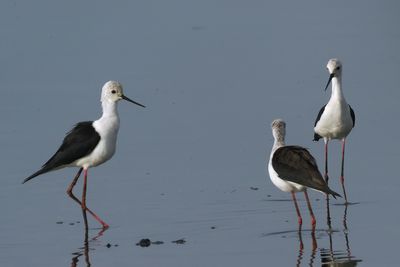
{"x":336,"y":119}
{"x":293,"y":169}
{"x":89,"y":143}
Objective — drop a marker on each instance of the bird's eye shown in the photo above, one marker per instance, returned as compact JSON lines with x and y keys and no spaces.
{"x":113,"y":91}
{"x":338,"y":68}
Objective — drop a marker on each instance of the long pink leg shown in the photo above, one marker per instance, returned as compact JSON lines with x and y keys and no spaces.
{"x":105,"y":225}
{"x":83,"y":203}
{"x":313,"y":221}
{"x":300,"y":220}
{"x":326,"y":180}
{"x":326,"y":160}
{"x":342,"y":172}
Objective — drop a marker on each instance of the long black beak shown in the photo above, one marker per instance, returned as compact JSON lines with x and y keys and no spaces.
{"x":130,"y":100}
{"x":329,"y":81}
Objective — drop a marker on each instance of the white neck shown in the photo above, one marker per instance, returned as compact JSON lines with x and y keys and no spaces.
{"x":109,"y":121}
{"x":109,"y":109}
{"x":337,"y":92}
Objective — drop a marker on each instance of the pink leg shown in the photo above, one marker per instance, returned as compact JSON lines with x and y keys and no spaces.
{"x":84,"y":189}
{"x":326,"y":160}
{"x":71,"y":195}
{"x":300,"y":220}
{"x":97,"y":218}
{"x":313,"y":221}
{"x":327,"y":179}
{"x":342,"y":172}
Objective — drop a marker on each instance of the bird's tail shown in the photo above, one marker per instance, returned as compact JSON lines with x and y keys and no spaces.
{"x":316,"y":137}
{"x":333,"y":193}
{"x":39,"y":172}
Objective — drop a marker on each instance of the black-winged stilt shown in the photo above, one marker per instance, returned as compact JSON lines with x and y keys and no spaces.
{"x":293,"y":169}
{"x":336,"y":119}
{"x":89,"y":143}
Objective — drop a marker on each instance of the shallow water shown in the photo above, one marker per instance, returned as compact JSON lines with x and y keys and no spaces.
{"x":213,"y":75}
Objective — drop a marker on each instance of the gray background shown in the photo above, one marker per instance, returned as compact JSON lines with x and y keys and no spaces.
{"x":213,"y":75}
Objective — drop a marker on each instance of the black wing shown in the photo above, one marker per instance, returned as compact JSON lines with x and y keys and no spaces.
{"x":78,"y":143}
{"x":317,"y":136}
{"x":296,"y":164}
{"x":353,"y":116}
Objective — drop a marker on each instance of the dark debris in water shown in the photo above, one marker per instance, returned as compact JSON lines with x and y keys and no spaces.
{"x":254,"y":188}
{"x":59,"y":222}
{"x":146,"y":242}
{"x":179,"y":241}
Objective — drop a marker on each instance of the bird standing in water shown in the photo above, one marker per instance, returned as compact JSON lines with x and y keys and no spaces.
{"x":336,"y":119}
{"x":89,"y":143}
{"x":293,"y":169}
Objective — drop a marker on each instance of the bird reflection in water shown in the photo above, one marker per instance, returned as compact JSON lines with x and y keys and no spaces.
{"x":331,"y":257}
{"x":314,"y":247}
{"x":84,"y":251}
{"x":301,"y":249}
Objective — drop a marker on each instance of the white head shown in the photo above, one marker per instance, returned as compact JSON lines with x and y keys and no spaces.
{"x":112,"y":92}
{"x":334,"y":67}
{"x":279,"y":130}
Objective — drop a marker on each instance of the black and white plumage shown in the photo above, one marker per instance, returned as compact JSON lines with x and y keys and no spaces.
{"x":295,"y":164}
{"x":336,"y":119}
{"x":293,"y":169}
{"x":89,"y":143}
{"x":77,"y":144}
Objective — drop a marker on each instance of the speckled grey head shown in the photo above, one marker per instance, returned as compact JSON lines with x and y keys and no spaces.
{"x":334,"y":67}
{"x":278,"y":130}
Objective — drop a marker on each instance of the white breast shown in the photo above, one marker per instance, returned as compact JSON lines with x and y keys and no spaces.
{"x":283,"y":185}
{"x":336,"y":121}
{"x":105,"y":149}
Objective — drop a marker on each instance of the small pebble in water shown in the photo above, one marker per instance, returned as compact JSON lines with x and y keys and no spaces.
{"x":145,"y":242}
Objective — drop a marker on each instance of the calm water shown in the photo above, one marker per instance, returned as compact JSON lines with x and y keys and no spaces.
{"x":213,"y":75}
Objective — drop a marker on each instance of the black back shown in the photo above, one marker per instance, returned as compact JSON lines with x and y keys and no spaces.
{"x":78,"y":143}
{"x":317,"y":136}
{"x":353,"y":116}
{"x":296,"y":164}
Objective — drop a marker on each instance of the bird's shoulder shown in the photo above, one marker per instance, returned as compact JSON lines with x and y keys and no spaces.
{"x":81,"y":132}
{"x":321,"y":111}
{"x":77,"y":143}
{"x":292,"y":157}
{"x":353,"y":115}
{"x":296,"y":164}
